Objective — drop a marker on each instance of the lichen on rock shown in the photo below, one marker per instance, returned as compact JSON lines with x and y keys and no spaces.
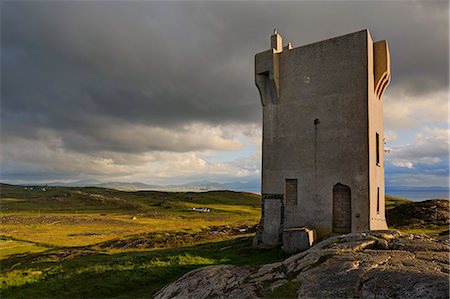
{"x":373,"y":264}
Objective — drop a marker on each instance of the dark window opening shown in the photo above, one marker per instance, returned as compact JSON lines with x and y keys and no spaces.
{"x":378,"y":200}
{"x":291,"y":192}
{"x":378,"y":148}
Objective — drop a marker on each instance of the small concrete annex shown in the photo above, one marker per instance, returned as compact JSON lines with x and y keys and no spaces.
{"x":323,"y":149}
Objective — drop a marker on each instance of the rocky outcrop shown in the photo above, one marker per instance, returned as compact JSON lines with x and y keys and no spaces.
{"x":361,"y":265}
{"x":175,"y":239}
{"x":419,"y":214}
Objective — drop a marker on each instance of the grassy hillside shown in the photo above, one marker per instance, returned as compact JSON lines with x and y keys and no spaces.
{"x":102,"y":243}
{"x":96,"y":242}
{"x":63,"y":216}
{"x":89,"y":273}
{"x":429,"y":216}
{"x":89,"y":199}
{"x":392,"y":202}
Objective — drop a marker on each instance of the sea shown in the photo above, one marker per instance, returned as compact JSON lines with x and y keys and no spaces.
{"x":419,"y":194}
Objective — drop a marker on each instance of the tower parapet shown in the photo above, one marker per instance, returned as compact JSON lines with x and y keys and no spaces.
{"x":267,"y":70}
{"x":276,"y":41}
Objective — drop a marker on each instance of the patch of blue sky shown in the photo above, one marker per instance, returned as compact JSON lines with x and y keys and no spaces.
{"x":404,"y":136}
{"x":227,"y":156}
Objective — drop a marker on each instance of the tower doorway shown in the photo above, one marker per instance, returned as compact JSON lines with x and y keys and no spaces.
{"x":342,"y":209}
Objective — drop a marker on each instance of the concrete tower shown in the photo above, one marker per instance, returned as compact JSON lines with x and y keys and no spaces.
{"x":323,"y":149}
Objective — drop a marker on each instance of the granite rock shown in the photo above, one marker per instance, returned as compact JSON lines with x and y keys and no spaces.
{"x":382,"y":264}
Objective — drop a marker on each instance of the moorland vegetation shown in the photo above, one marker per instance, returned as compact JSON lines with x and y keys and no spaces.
{"x":102,"y":243}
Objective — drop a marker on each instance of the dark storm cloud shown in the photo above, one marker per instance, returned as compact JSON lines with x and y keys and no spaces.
{"x":121,"y":61}
{"x":83,"y":69}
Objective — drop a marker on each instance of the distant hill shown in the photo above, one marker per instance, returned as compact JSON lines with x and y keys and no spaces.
{"x":194,"y":186}
{"x":253,"y":186}
{"x":58,"y":198}
{"x":135,"y":186}
{"x":79,"y":183}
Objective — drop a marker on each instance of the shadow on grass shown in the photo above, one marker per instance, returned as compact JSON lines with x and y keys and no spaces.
{"x":126,"y":274}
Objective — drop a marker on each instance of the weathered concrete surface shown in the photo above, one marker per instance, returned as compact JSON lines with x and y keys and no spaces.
{"x":271,"y":224}
{"x":322,"y":111}
{"x":297,"y":239}
{"x":378,"y":79}
{"x":382,"y":264}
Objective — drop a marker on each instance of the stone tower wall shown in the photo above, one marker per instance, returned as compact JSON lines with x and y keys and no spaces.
{"x":319,"y":119}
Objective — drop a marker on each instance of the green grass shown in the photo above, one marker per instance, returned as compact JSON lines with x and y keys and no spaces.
{"x":429,"y":229}
{"x":55,"y":242}
{"x":10,"y":247}
{"x":412,"y":228}
{"x":103,"y":243}
{"x":392,"y":202}
{"x":96,"y":215}
{"x":130,"y":274}
{"x":92,"y":199}
{"x":286,"y":291}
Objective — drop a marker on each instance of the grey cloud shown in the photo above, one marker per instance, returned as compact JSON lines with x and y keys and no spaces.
{"x":166,"y":63}
{"x":80,"y":69}
{"x":431,"y":147}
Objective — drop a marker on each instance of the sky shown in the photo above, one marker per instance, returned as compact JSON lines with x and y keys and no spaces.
{"x":164,"y":93}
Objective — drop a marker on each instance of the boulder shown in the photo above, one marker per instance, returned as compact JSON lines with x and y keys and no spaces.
{"x":419,"y":214}
{"x":378,"y":264}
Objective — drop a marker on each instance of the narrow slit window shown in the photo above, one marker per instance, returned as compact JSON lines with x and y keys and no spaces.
{"x":378,"y":200}
{"x":378,"y":148}
{"x":291,"y":192}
